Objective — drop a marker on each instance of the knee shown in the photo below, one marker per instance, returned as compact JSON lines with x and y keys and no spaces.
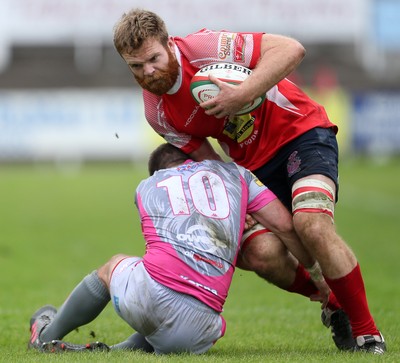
{"x":268,"y":257}
{"x":313,"y":227}
{"x":105,"y":271}
{"x":264,"y":254}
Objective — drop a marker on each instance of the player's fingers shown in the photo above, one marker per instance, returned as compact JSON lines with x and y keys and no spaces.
{"x":249,"y":222}
{"x":215,"y":80}
{"x":215,"y":110}
{"x":316,"y":297}
{"x":220,"y":114}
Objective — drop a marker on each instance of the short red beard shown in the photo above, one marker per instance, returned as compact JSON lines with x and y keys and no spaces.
{"x":162,"y":80}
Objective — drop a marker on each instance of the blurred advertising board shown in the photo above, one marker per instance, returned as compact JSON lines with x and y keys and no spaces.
{"x":75,"y":125}
{"x":109,"y":124}
{"x":376,"y":123}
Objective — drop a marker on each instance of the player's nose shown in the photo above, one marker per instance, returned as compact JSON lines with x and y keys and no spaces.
{"x":148,"y":69}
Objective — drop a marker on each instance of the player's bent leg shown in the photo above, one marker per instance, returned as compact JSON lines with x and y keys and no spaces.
{"x":83,"y":305}
{"x":318,"y":234}
{"x":105,"y":271}
{"x":313,"y":209}
{"x":146,"y":304}
{"x":267,"y":256}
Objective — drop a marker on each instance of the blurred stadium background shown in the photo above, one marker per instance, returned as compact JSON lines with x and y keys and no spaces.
{"x":65,"y":94}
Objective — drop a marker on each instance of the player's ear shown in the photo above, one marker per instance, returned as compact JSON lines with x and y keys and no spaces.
{"x":171,"y":44}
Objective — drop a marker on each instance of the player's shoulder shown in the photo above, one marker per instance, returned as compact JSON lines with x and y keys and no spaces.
{"x":202,"y":31}
{"x":244,"y":172}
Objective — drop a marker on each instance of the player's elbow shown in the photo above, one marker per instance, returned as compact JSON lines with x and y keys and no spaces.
{"x":282,"y":226}
{"x":286,"y":47}
{"x":297,"y":50}
{"x":301,"y":51}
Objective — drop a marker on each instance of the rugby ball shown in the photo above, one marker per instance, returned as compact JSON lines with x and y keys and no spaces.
{"x":203,"y":89}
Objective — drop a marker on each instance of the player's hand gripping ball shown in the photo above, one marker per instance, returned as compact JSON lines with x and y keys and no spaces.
{"x":203,"y":89}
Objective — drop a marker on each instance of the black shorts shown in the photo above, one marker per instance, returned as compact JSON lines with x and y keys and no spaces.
{"x":315,"y":152}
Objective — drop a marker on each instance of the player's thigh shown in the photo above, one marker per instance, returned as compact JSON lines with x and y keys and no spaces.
{"x":171,"y":321}
{"x":261,"y":251}
{"x":105,"y":271}
{"x":188,"y":326}
{"x":129,"y":287}
{"x":317,"y":158}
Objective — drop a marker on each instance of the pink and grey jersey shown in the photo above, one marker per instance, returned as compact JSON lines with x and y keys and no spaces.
{"x":192,"y":219}
{"x":250,"y":140}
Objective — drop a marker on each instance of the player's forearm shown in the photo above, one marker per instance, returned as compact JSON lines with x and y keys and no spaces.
{"x":296,"y":248}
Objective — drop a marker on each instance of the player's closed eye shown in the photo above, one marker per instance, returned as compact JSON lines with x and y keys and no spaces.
{"x":136,"y":66}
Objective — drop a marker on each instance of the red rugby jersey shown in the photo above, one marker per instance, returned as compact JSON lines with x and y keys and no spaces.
{"x":250,"y":140}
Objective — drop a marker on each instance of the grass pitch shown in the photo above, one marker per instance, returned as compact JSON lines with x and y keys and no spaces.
{"x":58,"y":223}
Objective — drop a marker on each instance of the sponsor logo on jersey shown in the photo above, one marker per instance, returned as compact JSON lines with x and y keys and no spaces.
{"x":231,"y":47}
{"x":293,"y":165}
{"x":190,"y":118}
{"x":198,"y":284}
{"x":189,"y":166}
{"x":217,"y":264}
{"x":257,"y":181}
{"x":240,"y":42}
{"x":201,"y":241}
{"x":239,"y":128}
{"x":225,"y":45}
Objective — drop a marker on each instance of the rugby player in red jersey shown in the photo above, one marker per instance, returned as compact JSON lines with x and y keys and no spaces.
{"x":289,"y":143}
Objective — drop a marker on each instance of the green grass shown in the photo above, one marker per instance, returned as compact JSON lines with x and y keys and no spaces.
{"x":58,"y":223}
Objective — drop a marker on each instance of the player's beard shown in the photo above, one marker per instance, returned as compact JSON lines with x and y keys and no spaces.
{"x":162,"y":80}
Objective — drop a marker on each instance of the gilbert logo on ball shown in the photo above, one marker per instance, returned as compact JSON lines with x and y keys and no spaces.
{"x":203,"y":89}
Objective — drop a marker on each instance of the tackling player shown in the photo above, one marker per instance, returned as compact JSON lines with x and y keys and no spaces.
{"x":192,"y":216}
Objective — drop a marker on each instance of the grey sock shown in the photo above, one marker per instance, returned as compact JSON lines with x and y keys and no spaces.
{"x":84,"y":304}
